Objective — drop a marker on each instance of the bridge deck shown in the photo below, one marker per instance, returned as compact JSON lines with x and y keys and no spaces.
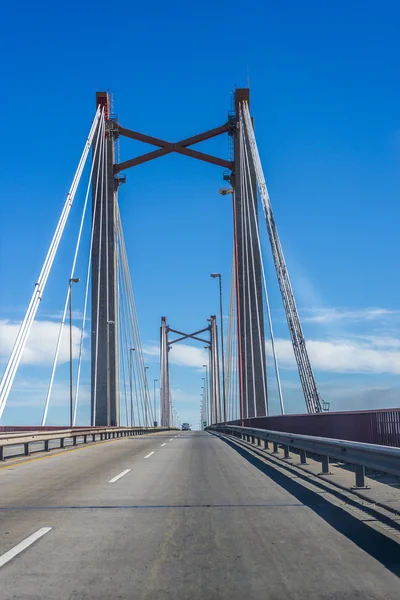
{"x":196,"y":520}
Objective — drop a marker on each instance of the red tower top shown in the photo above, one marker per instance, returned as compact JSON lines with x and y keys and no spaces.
{"x":103,"y":99}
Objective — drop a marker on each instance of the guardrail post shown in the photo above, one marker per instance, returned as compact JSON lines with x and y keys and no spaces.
{"x":46,"y":445}
{"x":275,"y":450}
{"x":62,"y":444}
{"x":266,"y":444}
{"x":360,"y":477}
{"x":1,"y":452}
{"x":93,"y":437}
{"x":303,"y":457}
{"x":74,"y":440}
{"x":26,"y":449}
{"x":286,"y":451}
{"x":325,"y":465}
{"x":85,"y":439}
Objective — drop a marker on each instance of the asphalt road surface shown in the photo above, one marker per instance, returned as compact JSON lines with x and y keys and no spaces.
{"x":181,"y":516}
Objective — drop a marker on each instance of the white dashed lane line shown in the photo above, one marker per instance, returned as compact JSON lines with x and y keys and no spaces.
{"x":148,"y":456}
{"x":163,"y":444}
{"x":114,"y":479}
{"x":5,"y":558}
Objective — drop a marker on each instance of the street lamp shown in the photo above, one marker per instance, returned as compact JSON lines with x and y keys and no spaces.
{"x":147,"y":395}
{"x":214,"y":276}
{"x":155,"y":419}
{"x":130,"y":382}
{"x":108,"y":373}
{"x":207,"y":396}
{"x":71,"y":281}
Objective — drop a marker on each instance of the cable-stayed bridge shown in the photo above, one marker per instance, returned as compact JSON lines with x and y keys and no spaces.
{"x":119,"y":387}
{"x":277,"y":506}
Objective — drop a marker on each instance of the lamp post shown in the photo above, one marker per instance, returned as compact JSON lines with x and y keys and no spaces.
{"x":71,"y":281}
{"x":155,"y":418}
{"x":146,"y":383}
{"x":214,"y":276}
{"x":207,"y":397}
{"x":108,"y":373}
{"x":130,"y":381}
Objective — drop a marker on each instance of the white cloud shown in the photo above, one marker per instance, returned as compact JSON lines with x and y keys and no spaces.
{"x":41,"y":343}
{"x":343,"y":356}
{"x":32,"y":392}
{"x":329,"y":315}
{"x":182,"y":355}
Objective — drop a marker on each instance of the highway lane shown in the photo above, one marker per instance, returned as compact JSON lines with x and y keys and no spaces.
{"x":194,"y":519}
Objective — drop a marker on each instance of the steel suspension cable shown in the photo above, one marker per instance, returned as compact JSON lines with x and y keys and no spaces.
{"x":88,"y":271}
{"x":244,"y":286}
{"x":245,"y":201}
{"x":278,"y":379}
{"x":77,"y":247}
{"x":310,"y":390}
{"x":26,"y":325}
{"x":248,"y":218}
{"x":94,"y":384}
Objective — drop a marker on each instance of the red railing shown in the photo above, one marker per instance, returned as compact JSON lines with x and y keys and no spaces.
{"x":369,"y":426}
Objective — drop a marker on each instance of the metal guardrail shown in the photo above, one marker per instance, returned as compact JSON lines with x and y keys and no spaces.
{"x":92,"y":434}
{"x":385,"y":459}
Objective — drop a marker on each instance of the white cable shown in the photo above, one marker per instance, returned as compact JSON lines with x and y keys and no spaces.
{"x":78,"y":242}
{"x":246,"y":416}
{"x":304,"y":366}
{"x":89,"y":266}
{"x":246,"y":236}
{"x":253,"y":201}
{"x":94,"y":384}
{"x":19,"y":345}
{"x":278,"y":379}
{"x":142,"y":379}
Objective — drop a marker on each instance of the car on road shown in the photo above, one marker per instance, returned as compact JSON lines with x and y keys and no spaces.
{"x":186,"y":427}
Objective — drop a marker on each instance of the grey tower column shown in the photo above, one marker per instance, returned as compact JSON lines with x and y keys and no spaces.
{"x":252,"y":404}
{"x":165,"y":401}
{"x":104,"y":400}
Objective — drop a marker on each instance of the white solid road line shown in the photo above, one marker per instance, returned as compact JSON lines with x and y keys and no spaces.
{"x":149,"y":454}
{"x":114,"y":479}
{"x":163,"y":444}
{"x":5,"y":558}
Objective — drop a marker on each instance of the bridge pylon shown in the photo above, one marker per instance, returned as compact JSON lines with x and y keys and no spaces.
{"x":249,"y":298}
{"x":213,"y":394}
{"x":104,"y":355}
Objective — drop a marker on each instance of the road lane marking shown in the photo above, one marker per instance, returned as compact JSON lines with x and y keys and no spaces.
{"x":171,"y":440}
{"x":114,"y":479}
{"x":148,"y":456}
{"x":5,"y":558}
{"x":164,"y":444}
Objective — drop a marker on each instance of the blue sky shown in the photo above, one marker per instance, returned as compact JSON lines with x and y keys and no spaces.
{"x":325,"y":94}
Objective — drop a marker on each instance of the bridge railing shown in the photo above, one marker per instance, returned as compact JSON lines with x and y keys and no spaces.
{"x":384,"y":459}
{"x":370,"y":426}
{"x":78,"y":435}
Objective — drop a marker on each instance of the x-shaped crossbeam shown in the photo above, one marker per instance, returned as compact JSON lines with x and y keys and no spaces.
{"x":168,"y":147}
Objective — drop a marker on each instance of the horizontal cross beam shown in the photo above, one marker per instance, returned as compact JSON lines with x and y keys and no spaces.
{"x":188,"y":335}
{"x":168,"y":147}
